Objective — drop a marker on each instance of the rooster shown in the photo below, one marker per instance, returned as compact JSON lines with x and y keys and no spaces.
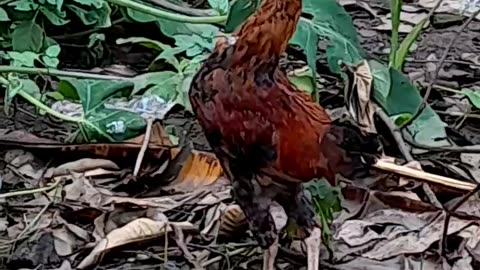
{"x":270,"y":137}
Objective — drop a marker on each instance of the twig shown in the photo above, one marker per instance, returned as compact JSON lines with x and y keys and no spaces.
{"x":437,"y":71}
{"x":180,"y":239}
{"x":443,"y":242}
{"x":60,"y":73}
{"x":396,"y":133}
{"x":402,"y":146}
{"x":30,"y":191}
{"x":421,"y":175}
{"x":185,"y":10}
{"x":167,"y":15}
{"x":463,"y":149}
{"x":218,"y":258}
{"x":146,"y":140}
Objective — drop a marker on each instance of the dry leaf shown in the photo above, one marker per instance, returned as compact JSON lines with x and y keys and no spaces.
{"x":357,"y":97}
{"x":138,"y":230}
{"x":200,"y":169}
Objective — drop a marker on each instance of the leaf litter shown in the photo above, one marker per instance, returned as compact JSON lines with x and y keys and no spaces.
{"x":70,"y":199}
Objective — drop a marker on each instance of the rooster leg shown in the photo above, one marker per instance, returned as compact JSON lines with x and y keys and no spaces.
{"x":280,"y":219}
{"x":269,"y":256}
{"x":313,"y":249}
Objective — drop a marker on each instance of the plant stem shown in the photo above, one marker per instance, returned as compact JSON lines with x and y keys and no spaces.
{"x":60,"y":73}
{"x":47,"y":109}
{"x":167,"y":15}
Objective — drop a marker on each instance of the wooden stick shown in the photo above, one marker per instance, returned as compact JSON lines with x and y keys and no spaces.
{"x":421,"y":175}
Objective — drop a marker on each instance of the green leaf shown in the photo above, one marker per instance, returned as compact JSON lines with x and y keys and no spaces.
{"x":51,"y":62}
{"x":166,"y":80}
{"x":94,"y":3}
{"x":473,"y":96}
{"x":24,"y":5}
{"x":400,"y":119}
{"x":114,"y":125}
{"x":53,"y":51}
{"x":221,"y":6}
{"x":194,"y":38}
{"x":67,"y":90}
{"x":28,"y":36}
{"x":303,"y":80}
{"x":15,"y":84}
{"x":99,"y":17}
{"x":3,"y":15}
{"x":395,"y":9}
{"x":404,"y":48}
{"x":93,"y":93}
{"x":55,"y":17}
{"x":404,"y":97}
{"x":382,"y":82}
{"x":140,"y":16}
{"x":23,"y":59}
{"x":239,"y":12}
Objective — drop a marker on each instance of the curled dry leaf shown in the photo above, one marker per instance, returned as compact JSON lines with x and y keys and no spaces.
{"x":81,"y":166}
{"x":232,"y":220}
{"x":357,"y":96}
{"x":138,"y":230}
{"x":200,"y":169}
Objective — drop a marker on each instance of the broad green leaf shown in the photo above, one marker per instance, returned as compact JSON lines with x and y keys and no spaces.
{"x":404,"y":97}
{"x":303,"y":80}
{"x":99,"y":17}
{"x":168,"y":52}
{"x":3,"y":15}
{"x":146,"y":42}
{"x":164,"y":80}
{"x":67,"y":90}
{"x":23,"y":59}
{"x":221,"y":6}
{"x":94,"y":3}
{"x":113,"y":125}
{"x":473,"y":96}
{"x":404,"y":47}
{"x":55,"y":17}
{"x":400,"y":119}
{"x":392,"y":89}
{"x":140,"y":16}
{"x":201,"y":35}
{"x":51,"y":62}
{"x":16,"y":84}
{"x":53,"y":51}
{"x":94,"y":38}
{"x":395,"y":10}
{"x":28,"y":36}
{"x":382,"y":82}
{"x":24,"y":5}
{"x":240,"y":10}
{"x":93,"y":93}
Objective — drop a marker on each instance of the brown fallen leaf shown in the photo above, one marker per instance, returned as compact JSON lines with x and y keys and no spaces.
{"x":200,"y":169}
{"x":136,"y":231}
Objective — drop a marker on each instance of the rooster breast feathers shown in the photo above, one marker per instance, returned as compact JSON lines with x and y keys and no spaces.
{"x":260,"y":122}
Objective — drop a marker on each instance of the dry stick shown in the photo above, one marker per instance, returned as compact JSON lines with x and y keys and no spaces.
{"x":141,"y":153}
{"x":425,"y":176}
{"x":443,"y":242}
{"x":30,"y":191}
{"x":437,"y":71}
{"x":402,"y":146}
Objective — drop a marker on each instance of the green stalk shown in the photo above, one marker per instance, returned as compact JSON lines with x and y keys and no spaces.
{"x":167,"y":15}
{"x":59,"y":73}
{"x":395,"y":10}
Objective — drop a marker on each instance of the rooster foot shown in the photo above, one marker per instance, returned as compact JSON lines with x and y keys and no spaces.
{"x":280,"y":220}
{"x":313,"y":243}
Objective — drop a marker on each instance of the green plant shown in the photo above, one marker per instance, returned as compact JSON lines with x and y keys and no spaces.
{"x":398,"y":52}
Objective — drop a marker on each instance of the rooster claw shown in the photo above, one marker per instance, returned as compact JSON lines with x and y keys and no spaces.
{"x":313,"y":249}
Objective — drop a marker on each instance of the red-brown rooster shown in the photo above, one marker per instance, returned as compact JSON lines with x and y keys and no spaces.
{"x":269,"y":136}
